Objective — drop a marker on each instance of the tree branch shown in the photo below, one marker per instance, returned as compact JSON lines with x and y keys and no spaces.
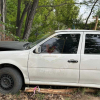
{"x":18,"y":14}
{"x":60,"y":4}
{"x":90,"y":13}
{"x":22,"y":18}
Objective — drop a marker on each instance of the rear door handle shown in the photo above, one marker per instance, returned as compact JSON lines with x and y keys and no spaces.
{"x":72,"y":61}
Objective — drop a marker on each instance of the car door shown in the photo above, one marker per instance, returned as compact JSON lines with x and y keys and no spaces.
{"x":90,"y":59}
{"x":59,"y":59}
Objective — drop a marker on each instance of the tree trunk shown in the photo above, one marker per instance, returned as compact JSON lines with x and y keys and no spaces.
{"x":95,"y":28}
{"x":90,"y":13}
{"x":30,"y":20}
{"x":18,"y":33}
{"x":3,"y":12}
{"x":0,"y":10}
{"x":3,"y":9}
{"x":28,"y":13}
{"x":18,"y":15}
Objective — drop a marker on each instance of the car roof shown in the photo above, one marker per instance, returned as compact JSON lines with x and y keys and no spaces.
{"x":57,"y":31}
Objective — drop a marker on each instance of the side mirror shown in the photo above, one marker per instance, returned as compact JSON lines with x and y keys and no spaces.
{"x":38,"y":49}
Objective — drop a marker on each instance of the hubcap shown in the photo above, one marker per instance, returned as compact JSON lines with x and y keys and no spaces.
{"x":6,"y":82}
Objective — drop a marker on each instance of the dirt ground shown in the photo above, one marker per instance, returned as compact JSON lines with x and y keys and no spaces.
{"x":78,"y":95}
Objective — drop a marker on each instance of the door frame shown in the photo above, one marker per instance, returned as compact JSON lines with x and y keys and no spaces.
{"x":79,"y":46}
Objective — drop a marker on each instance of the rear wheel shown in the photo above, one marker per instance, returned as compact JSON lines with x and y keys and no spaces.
{"x":10,"y":81}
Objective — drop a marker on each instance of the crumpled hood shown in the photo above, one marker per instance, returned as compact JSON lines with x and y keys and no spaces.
{"x":13,"y":45}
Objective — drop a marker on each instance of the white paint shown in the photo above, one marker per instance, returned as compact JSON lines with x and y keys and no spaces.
{"x":53,"y":69}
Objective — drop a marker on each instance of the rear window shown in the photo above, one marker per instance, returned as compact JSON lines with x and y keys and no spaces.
{"x":92,"y":44}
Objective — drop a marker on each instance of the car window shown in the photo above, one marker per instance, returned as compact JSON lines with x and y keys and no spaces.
{"x":63,"y":43}
{"x":92,"y":44}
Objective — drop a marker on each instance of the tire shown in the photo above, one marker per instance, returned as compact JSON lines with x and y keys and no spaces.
{"x":10,"y":81}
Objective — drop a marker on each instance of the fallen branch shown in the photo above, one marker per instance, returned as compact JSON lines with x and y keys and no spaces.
{"x":60,"y":91}
{"x":60,"y":4}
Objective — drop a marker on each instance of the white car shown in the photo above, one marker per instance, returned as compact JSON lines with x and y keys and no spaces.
{"x":67,"y":58}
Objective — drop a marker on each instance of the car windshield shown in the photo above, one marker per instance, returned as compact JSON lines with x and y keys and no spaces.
{"x":38,"y":41}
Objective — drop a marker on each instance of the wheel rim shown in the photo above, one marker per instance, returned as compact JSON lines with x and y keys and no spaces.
{"x":6,"y":82}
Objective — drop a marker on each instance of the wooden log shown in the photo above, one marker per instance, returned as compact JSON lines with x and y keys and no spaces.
{"x":60,"y":91}
{"x":52,"y":91}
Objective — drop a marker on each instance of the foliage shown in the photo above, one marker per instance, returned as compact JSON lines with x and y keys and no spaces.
{"x":46,"y":19}
{"x":53,"y":18}
{"x":66,"y":14}
{"x":7,"y":32}
{"x":98,"y":13}
{"x":11,"y":14}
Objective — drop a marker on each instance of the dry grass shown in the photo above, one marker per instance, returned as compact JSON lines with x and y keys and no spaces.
{"x":77,"y":95}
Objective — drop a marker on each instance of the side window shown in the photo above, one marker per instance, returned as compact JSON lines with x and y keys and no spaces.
{"x":63,"y":43}
{"x":92,"y":44}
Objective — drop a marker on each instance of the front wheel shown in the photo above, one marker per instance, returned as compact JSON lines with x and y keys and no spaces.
{"x":10,"y":81}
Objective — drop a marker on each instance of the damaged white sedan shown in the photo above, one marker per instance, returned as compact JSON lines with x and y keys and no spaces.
{"x":66,"y":58}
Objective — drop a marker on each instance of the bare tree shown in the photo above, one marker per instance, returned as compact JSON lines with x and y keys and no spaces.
{"x":90,"y":12}
{"x":30,"y":20}
{"x":18,"y":32}
{"x":2,"y":12}
{"x":18,"y":14}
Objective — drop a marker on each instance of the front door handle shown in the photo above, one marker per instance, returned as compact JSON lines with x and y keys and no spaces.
{"x":72,"y":61}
